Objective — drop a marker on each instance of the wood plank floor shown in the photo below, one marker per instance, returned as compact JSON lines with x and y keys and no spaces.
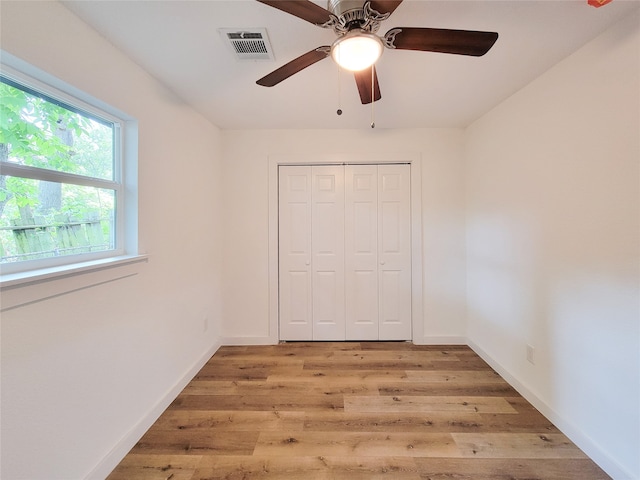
{"x":352,"y":411}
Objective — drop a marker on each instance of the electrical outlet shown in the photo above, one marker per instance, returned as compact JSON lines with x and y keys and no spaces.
{"x":531,"y":358}
{"x":205,"y":324}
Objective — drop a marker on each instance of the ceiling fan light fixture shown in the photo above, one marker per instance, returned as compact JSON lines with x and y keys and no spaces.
{"x":357,"y":50}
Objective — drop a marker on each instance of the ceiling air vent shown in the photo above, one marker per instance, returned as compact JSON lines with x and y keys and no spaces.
{"x":248,"y":44}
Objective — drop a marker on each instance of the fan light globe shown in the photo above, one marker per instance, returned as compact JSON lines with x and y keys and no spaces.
{"x":356,"y":50}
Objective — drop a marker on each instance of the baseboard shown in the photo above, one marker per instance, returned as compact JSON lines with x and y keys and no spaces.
{"x":118,"y":452}
{"x":441,"y":340}
{"x":239,"y":341}
{"x":427,"y":340}
{"x":584,"y":442}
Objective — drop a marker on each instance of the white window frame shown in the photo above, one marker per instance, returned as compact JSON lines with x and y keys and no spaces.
{"x":124,"y":183}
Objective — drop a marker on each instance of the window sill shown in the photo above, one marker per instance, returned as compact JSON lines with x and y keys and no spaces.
{"x":23,"y":279}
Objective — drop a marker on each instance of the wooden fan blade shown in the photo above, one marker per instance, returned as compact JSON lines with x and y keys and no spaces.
{"x":363,"y":80}
{"x":385,"y":6}
{"x":303,"y":9}
{"x":294,"y":66}
{"x":460,"y":42}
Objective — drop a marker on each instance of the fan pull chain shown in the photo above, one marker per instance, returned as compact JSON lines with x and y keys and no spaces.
{"x":339,"y":111}
{"x":373,"y":98}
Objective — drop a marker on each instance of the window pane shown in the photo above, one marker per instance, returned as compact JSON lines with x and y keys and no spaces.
{"x":41,"y":219}
{"x":39,"y":131}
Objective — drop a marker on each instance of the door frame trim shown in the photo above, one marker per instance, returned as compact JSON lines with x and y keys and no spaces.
{"x":414,"y":159}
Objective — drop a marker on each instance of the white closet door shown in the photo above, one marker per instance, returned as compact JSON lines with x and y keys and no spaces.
{"x":394,"y":251}
{"x":295,"y":289}
{"x":361,"y":251}
{"x":345,"y":252}
{"x":327,"y":240}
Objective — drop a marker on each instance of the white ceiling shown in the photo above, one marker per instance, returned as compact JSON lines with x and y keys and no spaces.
{"x":179,"y":43}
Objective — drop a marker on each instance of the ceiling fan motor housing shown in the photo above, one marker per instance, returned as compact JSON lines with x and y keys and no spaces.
{"x":349,"y":15}
{"x":340,"y":7}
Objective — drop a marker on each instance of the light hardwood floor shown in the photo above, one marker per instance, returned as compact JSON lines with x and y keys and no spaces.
{"x":352,"y":411}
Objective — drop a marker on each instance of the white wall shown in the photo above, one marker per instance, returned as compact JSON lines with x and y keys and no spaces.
{"x":84,"y":373}
{"x":246,"y":260}
{"x":553,"y":246}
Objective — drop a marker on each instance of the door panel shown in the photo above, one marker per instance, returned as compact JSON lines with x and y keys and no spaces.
{"x":361,"y":251}
{"x":391,"y":235}
{"x":325,"y":299}
{"x":298,"y":213}
{"x":364,"y":226}
{"x":390,"y":308}
{"x":325,"y":219}
{"x":295,"y":291}
{"x":327,"y":240}
{"x":363,"y":313}
{"x":299,"y":288}
{"x":394,"y":234}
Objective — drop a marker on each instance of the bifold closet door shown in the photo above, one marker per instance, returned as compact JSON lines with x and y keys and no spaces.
{"x":344,"y":252}
{"x":295,"y":289}
{"x":361,"y":251}
{"x":378,"y":252}
{"x":327,"y":252}
{"x":311,"y":252}
{"x":394,"y":252}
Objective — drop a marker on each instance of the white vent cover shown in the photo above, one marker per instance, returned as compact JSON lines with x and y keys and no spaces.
{"x":248,"y":44}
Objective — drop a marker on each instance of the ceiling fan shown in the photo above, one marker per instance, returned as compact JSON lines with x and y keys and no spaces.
{"x":358,"y":47}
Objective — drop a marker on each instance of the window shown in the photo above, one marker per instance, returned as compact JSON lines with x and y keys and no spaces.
{"x":61,"y":178}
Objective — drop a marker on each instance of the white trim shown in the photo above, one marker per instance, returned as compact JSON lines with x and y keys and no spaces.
{"x":584,"y":442}
{"x":23,"y":279}
{"x":274,"y":311}
{"x":37,"y":173}
{"x":243,"y":341}
{"x":414,"y":160}
{"x":126,"y":443}
{"x":37,"y":79}
{"x":417,"y":319}
{"x":441,"y":340}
